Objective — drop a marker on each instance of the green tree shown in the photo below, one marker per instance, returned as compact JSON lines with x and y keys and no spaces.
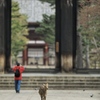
{"x":89,"y":22}
{"x":18,"y":30}
{"x":47,"y":28}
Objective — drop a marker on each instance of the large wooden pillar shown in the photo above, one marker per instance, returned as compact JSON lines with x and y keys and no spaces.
{"x":66,"y":34}
{"x":75,"y":2}
{"x":2,"y":35}
{"x":5,"y":35}
{"x":25,"y":56}
{"x":58,"y":35}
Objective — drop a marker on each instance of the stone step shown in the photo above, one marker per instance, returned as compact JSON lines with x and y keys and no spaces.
{"x":55,"y":82}
{"x":87,"y":71}
{"x":39,"y":70}
{"x":51,"y":80}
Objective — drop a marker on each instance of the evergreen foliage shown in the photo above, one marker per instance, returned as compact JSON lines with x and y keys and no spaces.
{"x":18,"y":29}
{"x":47,"y":26}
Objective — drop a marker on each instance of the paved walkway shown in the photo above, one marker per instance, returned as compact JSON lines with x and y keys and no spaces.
{"x":51,"y":95}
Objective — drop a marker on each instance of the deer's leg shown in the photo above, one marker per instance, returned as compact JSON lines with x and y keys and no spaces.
{"x":42,"y":98}
{"x":45,"y":97}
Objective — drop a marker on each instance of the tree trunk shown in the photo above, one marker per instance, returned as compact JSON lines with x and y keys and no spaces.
{"x":79,"y":61}
{"x":87,"y":57}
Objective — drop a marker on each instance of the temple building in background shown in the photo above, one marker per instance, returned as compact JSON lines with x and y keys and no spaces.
{"x":37,"y":50}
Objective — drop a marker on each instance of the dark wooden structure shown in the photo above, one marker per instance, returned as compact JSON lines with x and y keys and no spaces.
{"x":36,"y":48}
{"x":65,"y":43}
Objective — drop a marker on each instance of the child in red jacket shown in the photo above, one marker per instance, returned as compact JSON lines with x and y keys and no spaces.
{"x":19,"y":70}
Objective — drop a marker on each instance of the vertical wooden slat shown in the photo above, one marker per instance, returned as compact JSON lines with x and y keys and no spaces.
{"x":2,"y":35}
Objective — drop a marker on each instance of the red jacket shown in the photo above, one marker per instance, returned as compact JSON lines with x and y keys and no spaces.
{"x":21,"y":69}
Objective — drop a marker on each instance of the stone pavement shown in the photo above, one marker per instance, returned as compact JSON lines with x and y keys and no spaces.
{"x":51,"y":95}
